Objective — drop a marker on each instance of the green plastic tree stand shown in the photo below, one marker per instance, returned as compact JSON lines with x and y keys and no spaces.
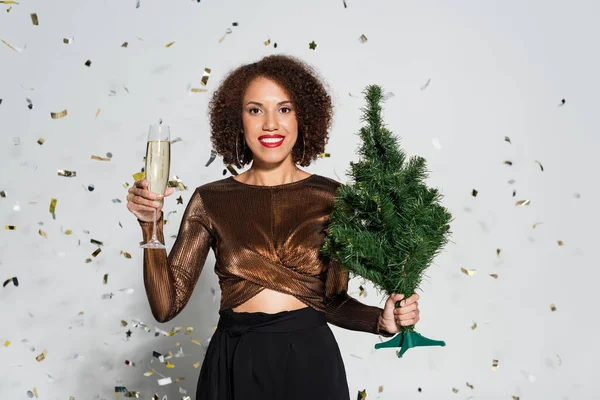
{"x":407,"y":340}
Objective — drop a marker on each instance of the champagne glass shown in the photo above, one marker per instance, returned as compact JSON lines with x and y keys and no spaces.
{"x":158,"y":163}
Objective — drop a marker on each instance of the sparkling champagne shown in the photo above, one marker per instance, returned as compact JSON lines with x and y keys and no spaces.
{"x":158,"y":154}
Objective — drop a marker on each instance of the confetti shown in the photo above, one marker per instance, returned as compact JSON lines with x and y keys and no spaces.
{"x":345,"y":5}
{"x":66,"y":173}
{"x":196,"y":365}
{"x":88,"y":63}
{"x":125,"y":44}
{"x":30,"y":103}
{"x":507,"y":139}
{"x":455,"y":390}
{"x":105,"y":279}
{"x":324,"y":155}
{"x":213,"y":156}
{"x":508,"y":162}
{"x":7,"y":343}
{"x":34,"y":19}
{"x":40,"y":141}
{"x":560,"y":243}
{"x":100,"y":158}
{"x":536,"y":224}
{"x":126,"y":254}
{"x":522,"y":203}
{"x":96,"y":252}
{"x":3,"y":194}
{"x":267,"y":42}
{"x":552,"y":307}
{"x":495,"y":276}
{"x":362,"y":395}
{"x":137,"y":4}
{"x":41,"y":356}
{"x":362,"y":39}
{"x":139,"y":175}
{"x":312,"y":45}
{"x":474,"y":193}
{"x":227,"y":32}
{"x":387,"y":96}
{"x":97,"y":113}
{"x":169,"y":365}
{"x":426,"y":85}
{"x":205,"y":76}
{"x":17,"y":49}
{"x":43,"y":234}
{"x":164,"y":381}
{"x":494,"y":365}
{"x":562,"y":102}
{"x":498,"y":252}
{"x":469,"y":385}
{"x":474,"y":325}
{"x":469,"y":272}
{"x":169,"y":44}
{"x":14,"y":280}
{"x":8,"y":2}
{"x":58,"y":115}
{"x":10,"y":227}
{"x":540,"y":164}
{"x":67,"y":40}
{"x":52,"y":208}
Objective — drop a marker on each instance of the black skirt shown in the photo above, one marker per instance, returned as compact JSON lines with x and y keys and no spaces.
{"x":288,"y":355}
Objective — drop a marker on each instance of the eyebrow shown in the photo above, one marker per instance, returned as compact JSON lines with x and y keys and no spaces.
{"x":260,"y":104}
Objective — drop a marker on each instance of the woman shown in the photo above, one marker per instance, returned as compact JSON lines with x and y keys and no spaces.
{"x":266,"y":227}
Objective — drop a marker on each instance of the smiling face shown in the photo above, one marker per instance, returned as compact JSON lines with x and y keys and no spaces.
{"x":270,"y":124}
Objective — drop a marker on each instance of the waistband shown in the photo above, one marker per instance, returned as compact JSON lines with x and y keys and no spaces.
{"x":236,"y":324}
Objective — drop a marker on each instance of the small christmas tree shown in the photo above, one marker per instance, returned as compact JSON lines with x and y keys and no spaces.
{"x":387,"y":226}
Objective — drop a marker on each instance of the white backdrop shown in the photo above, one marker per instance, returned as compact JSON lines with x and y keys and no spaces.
{"x":465,"y":75}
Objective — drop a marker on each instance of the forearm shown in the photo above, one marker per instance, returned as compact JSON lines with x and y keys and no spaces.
{"x":346,"y":312}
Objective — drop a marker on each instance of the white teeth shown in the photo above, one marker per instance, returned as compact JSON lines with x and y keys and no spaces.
{"x":271,"y":140}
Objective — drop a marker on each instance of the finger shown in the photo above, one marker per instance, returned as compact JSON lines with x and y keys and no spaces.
{"x":405,"y":310}
{"x":145,"y":202}
{"x":140,"y":183}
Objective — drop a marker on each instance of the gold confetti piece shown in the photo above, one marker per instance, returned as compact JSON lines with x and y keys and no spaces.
{"x":58,"y":115}
{"x":312,"y":45}
{"x":100,"y":158}
{"x":7,"y":343}
{"x":474,"y":193}
{"x":3,"y":194}
{"x":96,"y":252}
{"x":536,"y":224}
{"x":67,"y":173}
{"x":560,"y":243}
{"x":125,"y":44}
{"x":498,"y":252}
{"x":112,"y":93}
{"x":105,"y":279}
{"x":9,"y":45}
{"x":189,"y":330}
{"x":98,"y":112}
{"x":495,"y":276}
{"x":68,"y":232}
{"x":196,"y":365}
{"x":474,"y":326}
{"x":139,"y":176}
{"x":169,"y":365}
{"x":180,"y":200}
{"x":324,"y":155}
{"x":380,"y":389}
{"x":34,"y":18}
{"x":8,"y":2}
{"x":125,"y":87}
{"x":267,"y":42}
{"x":205,"y":76}
{"x":522,"y":203}
{"x":67,"y":40}
{"x":126,"y":254}
{"x":198,"y":90}
{"x":41,"y":141}
{"x":52,"y":208}
{"x":43,"y":234}
{"x":469,"y":272}
{"x":540,"y":164}
{"x":169,"y":44}
{"x":88,"y":63}
{"x":469,"y":385}
{"x":196,"y":341}
{"x":227,"y":32}
{"x":10,"y":227}
{"x":361,"y":290}
{"x":42,"y":356}
{"x":148,"y":373}
{"x":455,"y":390}
{"x":123,"y":323}
{"x":362,"y":394}
{"x":362,"y":39}
{"x":552,"y":307}
{"x":508,"y":162}
{"x":516,"y":398}
{"x":177,"y":183}
{"x":494,"y":365}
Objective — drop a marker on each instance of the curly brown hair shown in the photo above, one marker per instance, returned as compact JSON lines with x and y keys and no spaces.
{"x":308,"y":94}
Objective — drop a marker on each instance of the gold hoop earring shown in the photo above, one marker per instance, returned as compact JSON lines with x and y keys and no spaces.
{"x":237,"y":157}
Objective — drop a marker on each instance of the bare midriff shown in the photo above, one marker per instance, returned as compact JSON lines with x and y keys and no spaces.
{"x":270,"y":302}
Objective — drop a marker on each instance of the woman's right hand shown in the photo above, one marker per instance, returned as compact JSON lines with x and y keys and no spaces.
{"x":141,"y":202}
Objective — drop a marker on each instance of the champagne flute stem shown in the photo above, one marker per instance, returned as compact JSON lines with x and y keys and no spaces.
{"x":154,"y":239}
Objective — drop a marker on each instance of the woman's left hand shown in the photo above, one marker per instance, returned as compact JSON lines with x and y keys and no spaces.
{"x":407,"y":314}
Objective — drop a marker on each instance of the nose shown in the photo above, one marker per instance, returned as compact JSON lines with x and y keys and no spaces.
{"x":271,"y":122}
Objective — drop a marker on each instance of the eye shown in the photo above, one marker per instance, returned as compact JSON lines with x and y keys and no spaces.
{"x":251,"y":110}
{"x":286,"y":108}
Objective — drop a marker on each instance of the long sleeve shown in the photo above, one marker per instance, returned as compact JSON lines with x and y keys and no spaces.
{"x":170,"y":281}
{"x":343,"y":310}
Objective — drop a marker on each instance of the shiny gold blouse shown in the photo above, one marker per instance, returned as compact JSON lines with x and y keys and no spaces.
{"x":262,"y":237}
